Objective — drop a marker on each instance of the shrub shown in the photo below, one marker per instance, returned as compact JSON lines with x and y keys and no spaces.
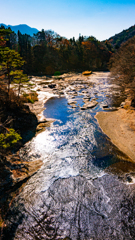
{"x":57,"y":73}
{"x":9,"y":139}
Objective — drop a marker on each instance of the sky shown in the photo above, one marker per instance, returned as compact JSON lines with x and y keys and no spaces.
{"x":69,"y":18}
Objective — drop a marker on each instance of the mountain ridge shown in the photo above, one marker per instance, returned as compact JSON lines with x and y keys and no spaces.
{"x":121,"y":37}
{"x":115,"y":40}
{"x":23,"y":28}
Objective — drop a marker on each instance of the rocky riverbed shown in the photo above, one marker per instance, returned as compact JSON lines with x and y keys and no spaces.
{"x":68,"y":85}
{"x":85,"y":187}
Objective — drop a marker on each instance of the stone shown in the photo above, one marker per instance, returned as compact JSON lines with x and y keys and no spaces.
{"x":122,"y":104}
{"x":89,"y":105}
{"x":71,"y":102}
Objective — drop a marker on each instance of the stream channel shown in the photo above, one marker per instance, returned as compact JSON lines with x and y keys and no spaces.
{"x":84,"y":189}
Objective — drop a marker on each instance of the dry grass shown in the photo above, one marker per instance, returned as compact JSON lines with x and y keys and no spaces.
{"x":30,"y":97}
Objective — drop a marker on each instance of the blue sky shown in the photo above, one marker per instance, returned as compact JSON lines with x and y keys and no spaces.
{"x":99,"y":18}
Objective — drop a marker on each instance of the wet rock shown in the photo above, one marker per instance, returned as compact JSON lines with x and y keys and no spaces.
{"x":77,"y":208}
{"x":42,"y":125}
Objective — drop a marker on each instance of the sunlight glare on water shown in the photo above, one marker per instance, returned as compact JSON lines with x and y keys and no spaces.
{"x":66,"y":149}
{"x":71,"y":145}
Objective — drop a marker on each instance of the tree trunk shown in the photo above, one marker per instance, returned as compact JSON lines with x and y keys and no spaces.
{"x":8,"y":79}
{"x":19,"y":89}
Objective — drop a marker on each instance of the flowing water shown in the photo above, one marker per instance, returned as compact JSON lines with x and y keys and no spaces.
{"x":84,"y":190}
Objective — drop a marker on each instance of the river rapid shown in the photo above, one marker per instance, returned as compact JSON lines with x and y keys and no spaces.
{"x":85,"y":188}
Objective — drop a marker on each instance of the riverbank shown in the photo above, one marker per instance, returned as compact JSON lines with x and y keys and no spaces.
{"x":14,"y":171}
{"x":119,"y":126}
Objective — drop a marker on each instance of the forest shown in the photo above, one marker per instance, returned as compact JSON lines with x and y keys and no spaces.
{"x":47,"y":52}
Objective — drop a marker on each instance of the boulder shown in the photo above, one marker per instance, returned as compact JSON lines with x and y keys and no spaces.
{"x":89,"y":105}
{"x":122,"y":104}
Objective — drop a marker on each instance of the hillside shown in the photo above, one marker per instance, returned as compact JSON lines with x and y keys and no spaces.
{"x":23,"y":28}
{"x":121,"y":37}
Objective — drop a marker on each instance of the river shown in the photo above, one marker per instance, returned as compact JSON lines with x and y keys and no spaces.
{"x":84,"y":188}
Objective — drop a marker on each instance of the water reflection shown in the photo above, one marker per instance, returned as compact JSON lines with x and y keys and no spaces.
{"x":56,"y":108}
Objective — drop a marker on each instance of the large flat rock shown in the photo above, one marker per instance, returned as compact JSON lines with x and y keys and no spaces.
{"x":77,"y":208}
{"x":89,"y":105}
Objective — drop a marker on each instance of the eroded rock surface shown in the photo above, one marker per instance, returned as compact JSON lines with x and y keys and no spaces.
{"x":77,"y":208}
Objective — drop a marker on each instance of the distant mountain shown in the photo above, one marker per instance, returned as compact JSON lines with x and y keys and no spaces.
{"x":23,"y":28}
{"x":121,"y":37}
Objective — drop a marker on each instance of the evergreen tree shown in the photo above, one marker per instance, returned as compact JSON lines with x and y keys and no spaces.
{"x":19,"y":78}
{"x":10,"y":61}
